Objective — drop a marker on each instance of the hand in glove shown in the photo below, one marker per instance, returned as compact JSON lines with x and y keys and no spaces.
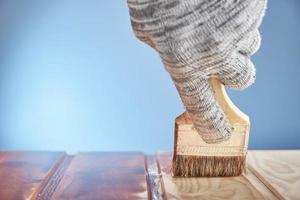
{"x":197,"y":40}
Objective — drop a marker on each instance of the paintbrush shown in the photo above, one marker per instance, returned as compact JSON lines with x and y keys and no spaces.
{"x":194,"y":157}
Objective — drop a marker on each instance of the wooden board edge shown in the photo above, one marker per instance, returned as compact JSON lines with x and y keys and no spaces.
{"x":259,"y":185}
{"x":154,"y":182}
{"x":265,"y":182}
{"x":49,"y":184}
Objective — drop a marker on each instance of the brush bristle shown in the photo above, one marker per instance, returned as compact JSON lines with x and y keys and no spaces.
{"x":208,"y":166}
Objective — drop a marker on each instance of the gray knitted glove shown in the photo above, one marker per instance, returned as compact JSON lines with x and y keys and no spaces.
{"x":199,"y":39}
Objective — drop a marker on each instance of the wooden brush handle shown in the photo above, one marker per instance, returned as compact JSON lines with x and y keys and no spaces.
{"x":234,"y":114}
{"x":189,"y":142}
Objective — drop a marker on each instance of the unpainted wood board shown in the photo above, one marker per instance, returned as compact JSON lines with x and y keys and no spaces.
{"x":92,"y":176}
{"x":214,"y":188}
{"x":22,"y":174}
{"x":279,"y":170}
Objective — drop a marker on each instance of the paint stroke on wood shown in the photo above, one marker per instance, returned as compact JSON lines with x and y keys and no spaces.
{"x":22,"y":173}
{"x":108,"y":176}
{"x":279,"y":170}
{"x":215,"y":188}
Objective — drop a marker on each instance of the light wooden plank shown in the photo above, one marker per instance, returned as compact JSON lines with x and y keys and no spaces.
{"x":214,"y":188}
{"x":108,"y":176}
{"x":279,"y":170}
{"x":23,"y":174}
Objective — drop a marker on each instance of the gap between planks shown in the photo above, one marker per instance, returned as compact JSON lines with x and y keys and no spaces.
{"x":48,"y":188}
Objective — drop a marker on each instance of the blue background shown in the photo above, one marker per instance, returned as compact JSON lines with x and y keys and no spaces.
{"x":73,"y":77}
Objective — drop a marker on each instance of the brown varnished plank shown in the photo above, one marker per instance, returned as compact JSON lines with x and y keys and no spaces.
{"x":279,"y":170}
{"x":23,"y":174}
{"x":214,"y":188}
{"x":92,"y":176}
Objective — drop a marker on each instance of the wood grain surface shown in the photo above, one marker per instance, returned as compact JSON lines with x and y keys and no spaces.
{"x":108,"y":176}
{"x":124,"y":175}
{"x":22,"y":174}
{"x":279,"y":170}
{"x":209,"y":188}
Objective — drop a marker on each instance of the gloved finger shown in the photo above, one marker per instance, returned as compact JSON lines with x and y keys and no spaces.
{"x":249,"y":44}
{"x":238,"y":72}
{"x":206,"y":114}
